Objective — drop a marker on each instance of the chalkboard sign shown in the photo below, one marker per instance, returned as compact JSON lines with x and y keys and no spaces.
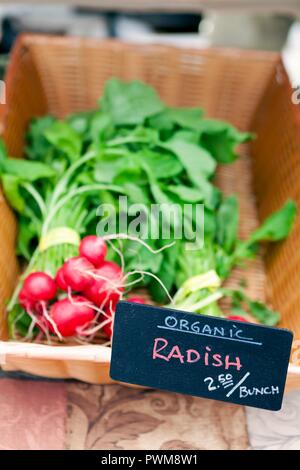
{"x":225,"y":360}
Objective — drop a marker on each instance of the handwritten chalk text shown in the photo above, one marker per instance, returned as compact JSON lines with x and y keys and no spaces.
{"x":231,"y":333}
{"x":164,"y":351}
{"x":255,"y":391}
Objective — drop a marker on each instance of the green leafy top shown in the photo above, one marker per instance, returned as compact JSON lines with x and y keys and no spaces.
{"x":134,"y":144}
{"x":129,"y":103}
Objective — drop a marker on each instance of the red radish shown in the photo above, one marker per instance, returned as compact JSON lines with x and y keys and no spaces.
{"x":93,"y":249}
{"x":69,"y":315}
{"x":75,"y":272}
{"x":39,"y":286}
{"x":108,"y":329}
{"x":108,"y":286}
{"x":237,"y":318}
{"x":25,"y":301}
{"x":60,"y":279}
{"x":136,"y":299}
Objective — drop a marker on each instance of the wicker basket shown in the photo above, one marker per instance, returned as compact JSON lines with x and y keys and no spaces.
{"x":249,"y":89}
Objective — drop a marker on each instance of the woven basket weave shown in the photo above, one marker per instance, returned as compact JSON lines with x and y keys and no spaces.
{"x":250,"y":89}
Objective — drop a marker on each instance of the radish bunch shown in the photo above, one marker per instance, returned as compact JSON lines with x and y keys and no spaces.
{"x":81,"y":299}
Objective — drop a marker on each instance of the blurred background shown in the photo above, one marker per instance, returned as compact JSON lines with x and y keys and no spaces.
{"x":255,"y":24}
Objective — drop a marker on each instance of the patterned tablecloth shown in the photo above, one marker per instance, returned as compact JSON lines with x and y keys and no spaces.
{"x":63,"y":415}
{"x":60,"y":415}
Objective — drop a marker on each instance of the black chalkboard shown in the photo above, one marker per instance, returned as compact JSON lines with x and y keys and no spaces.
{"x":238,"y":362}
